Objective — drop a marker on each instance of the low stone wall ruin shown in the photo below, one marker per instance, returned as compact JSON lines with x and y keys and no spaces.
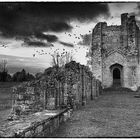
{"x":58,"y":90}
{"x":71,"y":86}
{"x":42,"y":126}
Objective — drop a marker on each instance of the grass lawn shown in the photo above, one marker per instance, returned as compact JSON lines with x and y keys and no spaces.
{"x":113,"y":114}
{"x":6,"y":98}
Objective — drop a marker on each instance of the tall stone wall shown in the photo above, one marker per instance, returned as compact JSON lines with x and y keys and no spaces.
{"x":116,"y":44}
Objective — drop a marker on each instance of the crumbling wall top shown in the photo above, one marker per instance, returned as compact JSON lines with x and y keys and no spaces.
{"x":127,"y":19}
{"x":98,"y":26}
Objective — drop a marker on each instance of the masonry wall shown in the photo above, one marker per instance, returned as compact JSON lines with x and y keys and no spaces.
{"x":41,"y":125}
{"x":95,"y":52}
{"x":75,"y":86}
{"x":116,"y":58}
{"x":116,"y":44}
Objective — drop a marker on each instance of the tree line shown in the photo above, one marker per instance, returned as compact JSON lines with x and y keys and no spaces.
{"x":16,"y":77}
{"x":58,"y":60}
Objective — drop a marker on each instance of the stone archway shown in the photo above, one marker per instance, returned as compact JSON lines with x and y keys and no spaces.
{"x":117,"y":74}
{"x":116,"y":77}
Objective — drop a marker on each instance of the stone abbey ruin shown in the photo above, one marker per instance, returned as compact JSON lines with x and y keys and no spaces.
{"x":115,"y":53}
{"x":41,"y":105}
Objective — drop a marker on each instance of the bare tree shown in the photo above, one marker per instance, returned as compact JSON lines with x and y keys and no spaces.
{"x":55,"y":59}
{"x":61,"y":59}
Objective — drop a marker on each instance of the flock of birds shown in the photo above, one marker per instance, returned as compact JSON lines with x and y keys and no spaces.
{"x":4,"y":44}
{"x":63,"y":51}
{"x":60,"y":51}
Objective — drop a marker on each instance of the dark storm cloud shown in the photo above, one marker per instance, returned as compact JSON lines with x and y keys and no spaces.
{"x":60,"y":26}
{"x":64,"y":11}
{"x":48,"y":37}
{"x":27,"y":19}
{"x":66,"y":44}
{"x":36,"y":43}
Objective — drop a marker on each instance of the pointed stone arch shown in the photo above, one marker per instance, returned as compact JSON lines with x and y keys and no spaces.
{"x":117,"y":60}
{"x":117,"y":74}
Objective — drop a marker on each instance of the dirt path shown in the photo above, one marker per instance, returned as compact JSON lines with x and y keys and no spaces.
{"x":111,"y":115}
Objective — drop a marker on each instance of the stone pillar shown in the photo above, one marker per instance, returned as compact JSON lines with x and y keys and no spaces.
{"x":45,"y":98}
{"x":65,"y":94}
{"x":138,"y":76}
{"x":83,"y":86}
{"x":126,"y":76}
{"x":97,"y":88}
{"x":91,"y":78}
{"x":57,"y":95}
{"x":93,"y":87}
{"x":124,"y":19}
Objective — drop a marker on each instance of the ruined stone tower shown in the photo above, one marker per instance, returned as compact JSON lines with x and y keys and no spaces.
{"x":115,"y":53}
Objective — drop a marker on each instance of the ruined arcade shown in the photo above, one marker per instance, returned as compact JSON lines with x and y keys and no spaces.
{"x":115,"y":53}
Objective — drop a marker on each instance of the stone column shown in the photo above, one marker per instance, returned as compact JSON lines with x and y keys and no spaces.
{"x":83,"y":86}
{"x":91,"y":79}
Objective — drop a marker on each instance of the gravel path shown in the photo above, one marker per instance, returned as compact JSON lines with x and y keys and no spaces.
{"x":113,"y":114}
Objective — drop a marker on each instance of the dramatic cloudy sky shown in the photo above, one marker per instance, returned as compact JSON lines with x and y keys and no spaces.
{"x":31,"y":32}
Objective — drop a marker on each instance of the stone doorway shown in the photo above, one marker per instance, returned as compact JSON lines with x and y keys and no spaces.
{"x":117,"y":74}
{"x":116,"y":77}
